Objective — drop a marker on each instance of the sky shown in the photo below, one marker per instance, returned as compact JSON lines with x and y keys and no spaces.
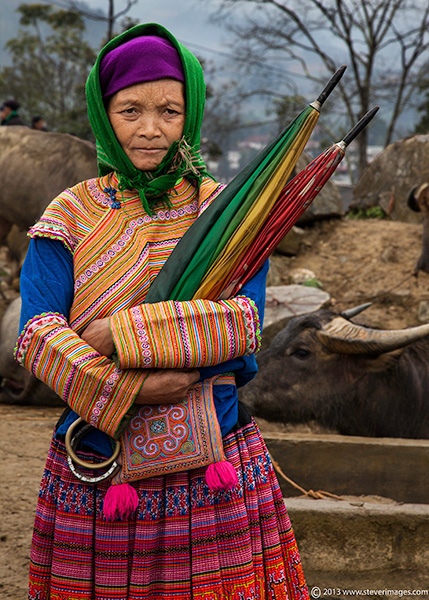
{"x":188,"y":20}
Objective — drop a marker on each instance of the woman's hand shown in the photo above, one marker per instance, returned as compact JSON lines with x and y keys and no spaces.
{"x":167,"y":386}
{"x":99,"y":336}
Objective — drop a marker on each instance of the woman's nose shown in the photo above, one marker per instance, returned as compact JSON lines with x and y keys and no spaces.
{"x":148,"y":126}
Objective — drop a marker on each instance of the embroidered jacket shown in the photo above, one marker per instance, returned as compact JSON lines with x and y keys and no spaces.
{"x":117,"y":250}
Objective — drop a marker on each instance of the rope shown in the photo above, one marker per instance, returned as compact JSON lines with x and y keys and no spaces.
{"x":414,"y":273}
{"x":319,"y":495}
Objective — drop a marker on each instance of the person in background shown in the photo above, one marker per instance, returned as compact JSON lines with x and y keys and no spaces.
{"x":38,"y":123}
{"x":92,"y":258}
{"x":9,"y":113}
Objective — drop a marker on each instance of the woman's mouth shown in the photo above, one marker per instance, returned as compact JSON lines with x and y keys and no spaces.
{"x":149,"y":150}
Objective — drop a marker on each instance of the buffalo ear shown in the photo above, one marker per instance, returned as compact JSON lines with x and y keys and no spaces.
{"x":382,"y":362}
{"x":412,"y":202}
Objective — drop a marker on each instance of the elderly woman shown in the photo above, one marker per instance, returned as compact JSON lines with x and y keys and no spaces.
{"x":92,"y":258}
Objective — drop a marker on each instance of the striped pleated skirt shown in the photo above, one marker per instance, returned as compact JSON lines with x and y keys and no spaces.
{"x":185,"y":542}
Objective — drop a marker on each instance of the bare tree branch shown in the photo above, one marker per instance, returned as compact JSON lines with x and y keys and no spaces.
{"x":385,"y":42}
{"x":111,"y":18}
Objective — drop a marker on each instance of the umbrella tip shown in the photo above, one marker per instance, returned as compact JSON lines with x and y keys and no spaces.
{"x":360,"y":125}
{"x":331,"y":85}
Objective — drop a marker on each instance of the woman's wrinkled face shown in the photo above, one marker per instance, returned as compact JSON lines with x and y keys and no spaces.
{"x":147,"y":118}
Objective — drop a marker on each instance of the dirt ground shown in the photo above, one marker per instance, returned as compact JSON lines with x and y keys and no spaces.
{"x":24,"y":441}
{"x":355,"y":261}
{"x":360,"y":261}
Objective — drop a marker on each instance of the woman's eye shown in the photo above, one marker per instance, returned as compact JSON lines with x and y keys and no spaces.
{"x":301,"y":353}
{"x":171,"y":111}
{"x":129,"y":111}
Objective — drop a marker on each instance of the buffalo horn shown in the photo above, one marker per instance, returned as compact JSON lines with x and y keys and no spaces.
{"x":343,"y":337}
{"x":352,"y":312}
{"x":412,"y":200}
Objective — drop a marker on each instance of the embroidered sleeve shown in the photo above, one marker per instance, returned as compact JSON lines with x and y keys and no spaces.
{"x":71,"y":215}
{"x":56,"y":222}
{"x":91,"y":384}
{"x":194,"y":333}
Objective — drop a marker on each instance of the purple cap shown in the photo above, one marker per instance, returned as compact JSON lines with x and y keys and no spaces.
{"x":144,"y":58}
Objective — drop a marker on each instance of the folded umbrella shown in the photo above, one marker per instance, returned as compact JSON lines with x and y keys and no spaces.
{"x":230,"y":271}
{"x":264,"y":177}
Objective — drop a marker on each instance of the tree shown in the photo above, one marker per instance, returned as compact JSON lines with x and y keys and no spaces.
{"x":50,"y":64}
{"x":111,"y":18}
{"x":423,"y":108}
{"x":220,"y":116}
{"x":383,"y":42}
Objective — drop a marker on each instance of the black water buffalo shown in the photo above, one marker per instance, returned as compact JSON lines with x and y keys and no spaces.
{"x":346,"y":377}
{"x":418,"y":200}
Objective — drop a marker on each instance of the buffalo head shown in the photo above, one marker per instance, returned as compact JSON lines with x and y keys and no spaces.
{"x":323,"y":367}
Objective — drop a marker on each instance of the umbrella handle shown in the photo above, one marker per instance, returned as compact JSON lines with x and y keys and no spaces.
{"x":330,"y":85}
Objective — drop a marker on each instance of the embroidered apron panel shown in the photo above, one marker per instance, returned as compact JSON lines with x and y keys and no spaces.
{"x":168,"y":438}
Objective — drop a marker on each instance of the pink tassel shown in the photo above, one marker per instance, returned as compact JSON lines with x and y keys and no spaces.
{"x":120,"y":502}
{"x":221,"y":476}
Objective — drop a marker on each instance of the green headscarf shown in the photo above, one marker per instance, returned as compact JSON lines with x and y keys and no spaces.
{"x":183,"y":157}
